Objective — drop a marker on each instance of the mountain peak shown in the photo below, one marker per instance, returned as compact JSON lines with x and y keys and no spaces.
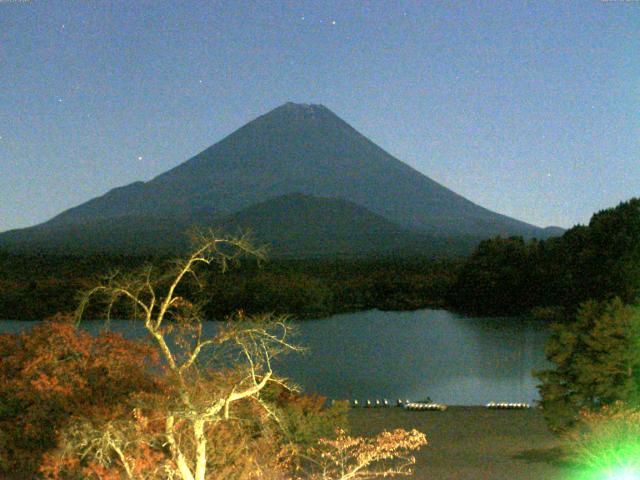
{"x":303,"y":106}
{"x":300,"y":111}
{"x":292,"y":122}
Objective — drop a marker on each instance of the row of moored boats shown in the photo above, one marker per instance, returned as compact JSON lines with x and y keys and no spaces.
{"x":429,"y":405}
{"x":507,"y":405}
{"x":406,"y":404}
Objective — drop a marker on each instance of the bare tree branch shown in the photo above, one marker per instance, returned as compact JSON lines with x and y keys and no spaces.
{"x":258,"y":339}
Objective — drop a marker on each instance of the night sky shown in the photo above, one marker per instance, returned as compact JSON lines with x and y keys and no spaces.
{"x":531,"y":109}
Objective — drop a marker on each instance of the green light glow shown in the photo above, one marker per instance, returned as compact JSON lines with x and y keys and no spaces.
{"x":625,"y":473}
{"x":616,"y":471}
{"x":618,"y":464}
{"x":607,"y":446}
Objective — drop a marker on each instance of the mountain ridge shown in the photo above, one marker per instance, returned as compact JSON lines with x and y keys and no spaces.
{"x":304,"y":149}
{"x":340,"y":228}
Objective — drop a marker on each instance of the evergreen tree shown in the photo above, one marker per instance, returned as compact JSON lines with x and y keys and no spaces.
{"x":615,"y":251}
{"x":599,"y":261}
{"x":597,"y":362}
{"x":498,"y":278}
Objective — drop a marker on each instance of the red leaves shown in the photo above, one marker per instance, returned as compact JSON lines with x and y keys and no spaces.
{"x":55,"y":371}
{"x":56,"y":468}
{"x":45,"y":384}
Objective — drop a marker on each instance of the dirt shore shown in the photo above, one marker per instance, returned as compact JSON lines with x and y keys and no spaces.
{"x":473,"y":443}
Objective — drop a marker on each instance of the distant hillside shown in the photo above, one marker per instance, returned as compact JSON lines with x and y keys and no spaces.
{"x":303,"y":226}
{"x":293,"y":149}
{"x":293,"y":225}
{"x":553,"y":231}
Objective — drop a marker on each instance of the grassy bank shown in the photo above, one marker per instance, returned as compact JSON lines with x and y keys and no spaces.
{"x":474,"y":443}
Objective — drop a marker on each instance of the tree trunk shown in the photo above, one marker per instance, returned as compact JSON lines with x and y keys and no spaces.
{"x":201,"y":449}
{"x":183,"y":468}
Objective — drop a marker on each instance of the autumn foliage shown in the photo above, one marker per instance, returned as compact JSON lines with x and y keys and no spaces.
{"x":386,"y":455}
{"x":56,"y":372}
{"x":77,"y":406}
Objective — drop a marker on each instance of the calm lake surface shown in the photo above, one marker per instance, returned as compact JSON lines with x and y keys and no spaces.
{"x":453,"y":359}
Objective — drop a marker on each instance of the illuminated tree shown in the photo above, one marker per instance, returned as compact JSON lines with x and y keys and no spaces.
{"x":198,"y":399}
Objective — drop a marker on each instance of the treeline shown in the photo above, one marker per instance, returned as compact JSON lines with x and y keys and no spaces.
{"x":599,"y":261}
{"x":503,"y":276}
{"x":33,"y":287}
{"x":312,"y":289}
{"x":38,"y":286}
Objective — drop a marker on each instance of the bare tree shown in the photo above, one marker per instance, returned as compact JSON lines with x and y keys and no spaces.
{"x":245,"y":346}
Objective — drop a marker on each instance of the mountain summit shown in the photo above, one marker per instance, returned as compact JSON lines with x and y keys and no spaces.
{"x":295,"y":148}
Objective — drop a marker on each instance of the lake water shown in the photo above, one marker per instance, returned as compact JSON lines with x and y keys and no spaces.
{"x":453,"y":359}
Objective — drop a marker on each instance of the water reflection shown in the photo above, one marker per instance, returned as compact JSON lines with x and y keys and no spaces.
{"x":453,"y":359}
